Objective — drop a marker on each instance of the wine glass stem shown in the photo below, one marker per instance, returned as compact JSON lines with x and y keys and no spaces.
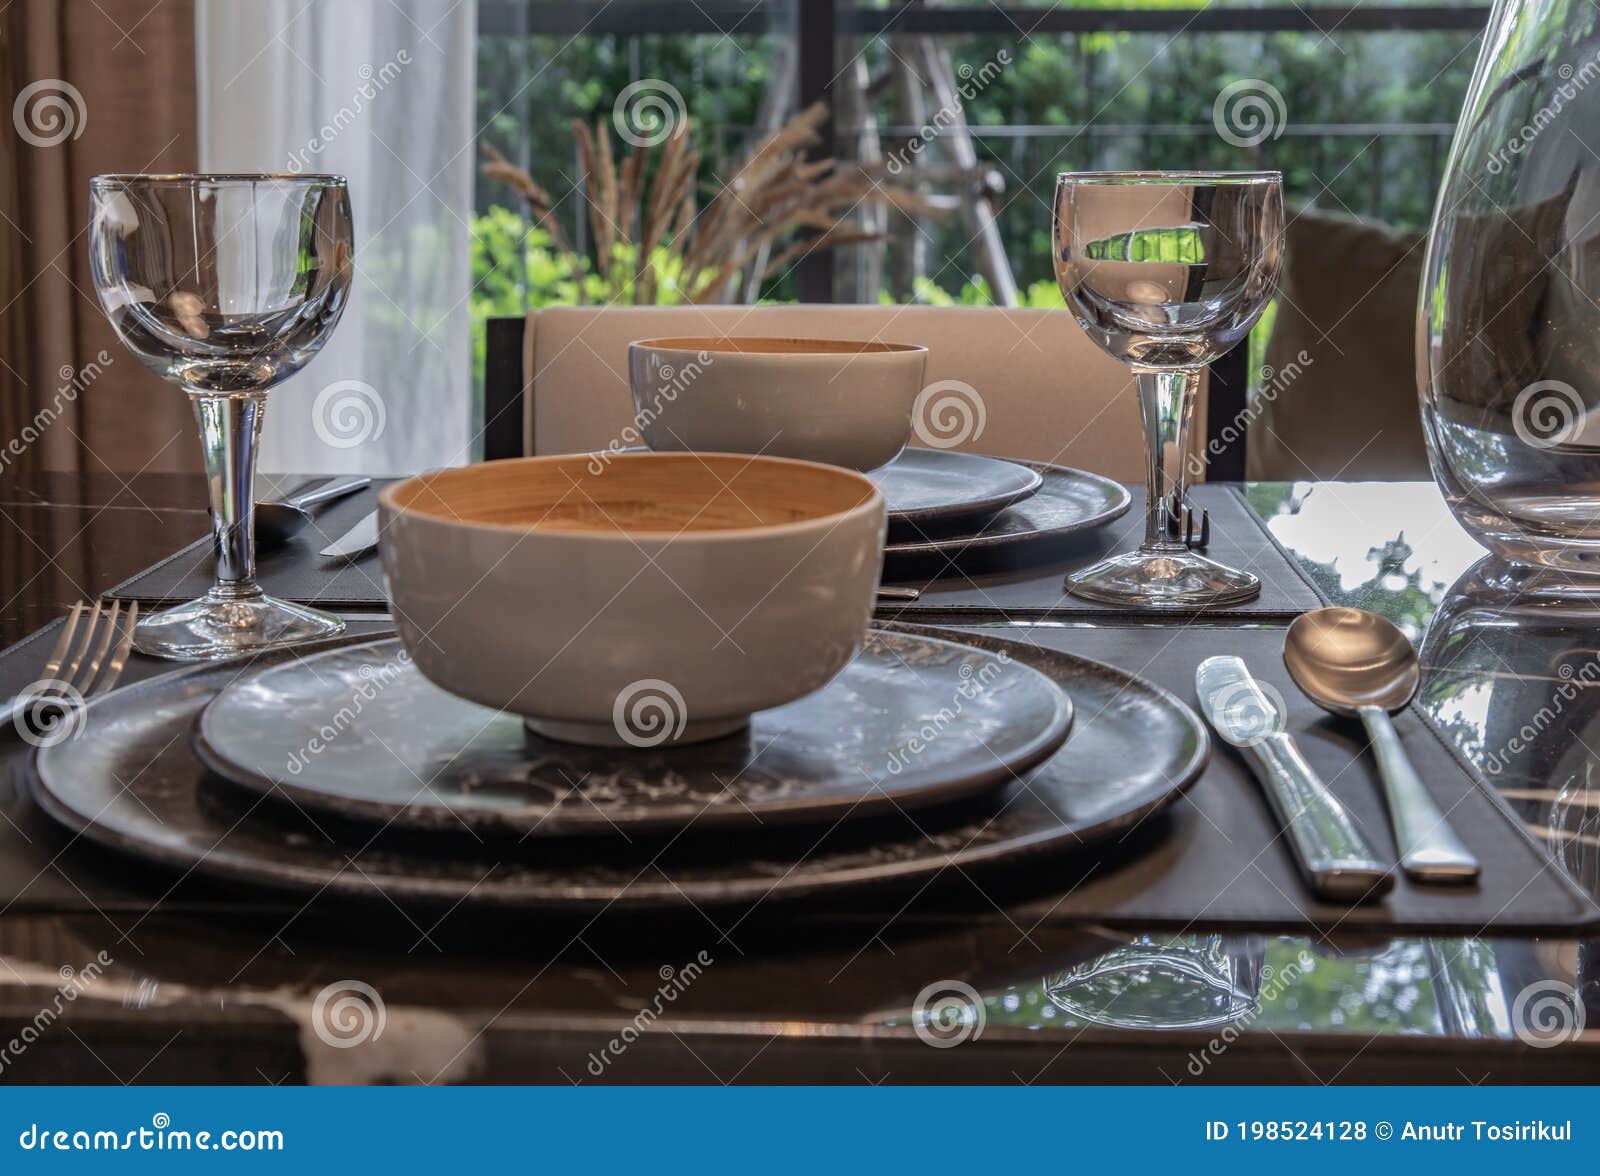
{"x":230,"y":429}
{"x":1166,"y":402}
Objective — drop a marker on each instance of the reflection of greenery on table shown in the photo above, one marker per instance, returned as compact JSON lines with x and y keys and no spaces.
{"x":1395,"y":593}
{"x":1390,"y":993}
{"x":1390,"y":590}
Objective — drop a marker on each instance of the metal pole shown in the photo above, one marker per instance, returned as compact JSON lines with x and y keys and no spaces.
{"x":815,"y":37}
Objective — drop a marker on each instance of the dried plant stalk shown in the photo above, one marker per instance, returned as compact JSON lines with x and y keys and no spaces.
{"x":776,"y":199}
{"x":498,"y":167}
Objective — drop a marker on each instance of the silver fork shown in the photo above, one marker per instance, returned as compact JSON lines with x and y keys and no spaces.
{"x":87,"y":660}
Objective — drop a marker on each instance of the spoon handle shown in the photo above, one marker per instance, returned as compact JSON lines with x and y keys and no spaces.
{"x":1430,"y":851}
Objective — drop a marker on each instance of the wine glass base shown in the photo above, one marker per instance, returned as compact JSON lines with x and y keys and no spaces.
{"x":212,"y":628}
{"x":1162,"y":579}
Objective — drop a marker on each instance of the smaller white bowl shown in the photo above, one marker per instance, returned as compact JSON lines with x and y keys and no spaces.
{"x":842,"y":402}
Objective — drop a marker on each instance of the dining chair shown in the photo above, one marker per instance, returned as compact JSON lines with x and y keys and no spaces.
{"x":1044,"y":392}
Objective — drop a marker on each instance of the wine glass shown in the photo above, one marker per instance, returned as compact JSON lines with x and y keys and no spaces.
{"x":224,"y":285}
{"x":1166,"y":271}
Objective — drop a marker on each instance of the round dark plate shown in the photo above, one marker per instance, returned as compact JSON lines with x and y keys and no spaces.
{"x":130,"y":781}
{"x":928,"y":486}
{"x":360,"y":733}
{"x":1066,"y":502}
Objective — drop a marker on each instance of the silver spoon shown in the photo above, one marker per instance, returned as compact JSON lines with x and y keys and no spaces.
{"x":278,"y":522}
{"x":1355,"y":663}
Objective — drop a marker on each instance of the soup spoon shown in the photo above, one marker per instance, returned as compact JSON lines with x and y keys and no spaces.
{"x":1354,"y":663}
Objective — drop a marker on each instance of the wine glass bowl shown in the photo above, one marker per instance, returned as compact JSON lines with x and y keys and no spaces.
{"x":1166,"y":272}
{"x":221,"y":283}
{"x":224,"y":285}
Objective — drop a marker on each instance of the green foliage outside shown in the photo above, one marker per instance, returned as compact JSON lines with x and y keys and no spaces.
{"x":1367,"y":118}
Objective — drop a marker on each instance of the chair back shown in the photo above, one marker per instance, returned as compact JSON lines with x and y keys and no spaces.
{"x":1037,"y":387}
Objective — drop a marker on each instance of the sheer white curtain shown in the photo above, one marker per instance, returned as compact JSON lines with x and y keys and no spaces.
{"x":381,"y":92}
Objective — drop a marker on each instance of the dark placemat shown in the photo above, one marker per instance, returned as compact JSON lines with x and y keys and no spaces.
{"x":1026,"y":582}
{"x":1022,"y":583}
{"x":294,"y":571}
{"x":1216,"y":858}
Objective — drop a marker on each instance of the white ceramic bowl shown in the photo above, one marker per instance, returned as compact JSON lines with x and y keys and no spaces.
{"x":836,"y":401}
{"x":635,"y":599}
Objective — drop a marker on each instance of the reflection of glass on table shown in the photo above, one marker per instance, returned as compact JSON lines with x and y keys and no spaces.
{"x":1165,"y":982}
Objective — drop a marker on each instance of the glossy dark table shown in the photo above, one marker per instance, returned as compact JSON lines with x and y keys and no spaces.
{"x":827,"y":996}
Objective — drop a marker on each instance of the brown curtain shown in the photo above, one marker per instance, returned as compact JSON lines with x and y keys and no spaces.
{"x":110,"y":88}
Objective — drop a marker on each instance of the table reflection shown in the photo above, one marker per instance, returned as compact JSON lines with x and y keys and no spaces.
{"x":1512,"y":682}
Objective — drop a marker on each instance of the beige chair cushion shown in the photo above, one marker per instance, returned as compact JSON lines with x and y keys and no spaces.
{"x":1341,"y":401}
{"x":1048,"y":393}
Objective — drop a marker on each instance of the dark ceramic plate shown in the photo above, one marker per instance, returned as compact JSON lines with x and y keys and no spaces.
{"x":360,"y":733}
{"x":1067,"y":501}
{"x":131,"y":782}
{"x":937,"y":486}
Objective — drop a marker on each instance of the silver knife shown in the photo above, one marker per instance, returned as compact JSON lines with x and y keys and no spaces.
{"x":358,"y":540}
{"x":1330,"y":849}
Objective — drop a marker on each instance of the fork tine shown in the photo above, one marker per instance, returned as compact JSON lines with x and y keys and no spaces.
{"x":52,"y":668}
{"x":1205,"y":528}
{"x":119,"y":656}
{"x":70,"y":673}
{"x":85,"y":682}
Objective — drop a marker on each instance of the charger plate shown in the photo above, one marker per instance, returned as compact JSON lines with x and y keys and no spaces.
{"x":359,"y":733}
{"x":131,"y":782}
{"x":1067,"y":501}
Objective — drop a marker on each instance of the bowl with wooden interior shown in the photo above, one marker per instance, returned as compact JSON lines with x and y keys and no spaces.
{"x":843,"y":402}
{"x":601,"y":599}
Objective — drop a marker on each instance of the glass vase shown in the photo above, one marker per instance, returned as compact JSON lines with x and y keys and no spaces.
{"x":1508,"y":334}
